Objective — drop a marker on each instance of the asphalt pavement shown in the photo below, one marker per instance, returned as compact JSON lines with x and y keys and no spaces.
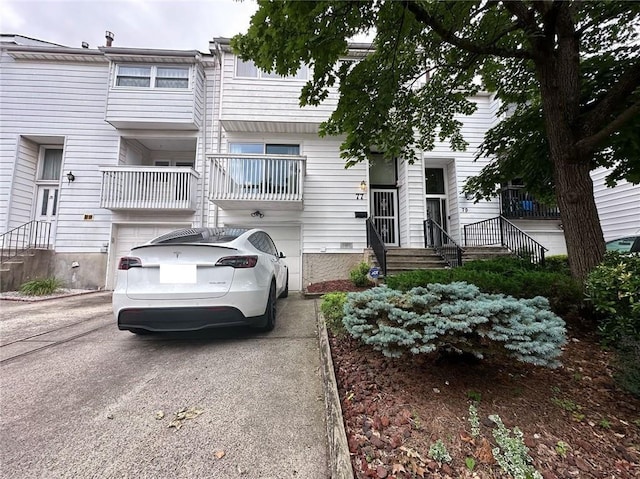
{"x":80,"y":399}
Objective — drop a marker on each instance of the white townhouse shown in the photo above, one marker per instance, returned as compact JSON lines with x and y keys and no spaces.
{"x":102,"y":149}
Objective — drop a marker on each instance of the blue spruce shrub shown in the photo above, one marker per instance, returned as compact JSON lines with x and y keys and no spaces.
{"x":458,"y":317}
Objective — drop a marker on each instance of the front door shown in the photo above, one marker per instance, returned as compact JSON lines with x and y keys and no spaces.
{"x":47,"y":203}
{"x":436,"y":197}
{"x":385,"y":214}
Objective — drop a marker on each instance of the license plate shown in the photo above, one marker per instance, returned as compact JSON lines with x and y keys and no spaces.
{"x":178,"y":273}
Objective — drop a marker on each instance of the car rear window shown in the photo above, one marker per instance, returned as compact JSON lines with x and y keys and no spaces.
{"x":199,"y":235}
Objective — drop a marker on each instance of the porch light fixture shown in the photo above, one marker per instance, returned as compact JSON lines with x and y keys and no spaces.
{"x":469,"y":195}
{"x":363,"y":185}
{"x":257,"y":213}
{"x":71,"y":177}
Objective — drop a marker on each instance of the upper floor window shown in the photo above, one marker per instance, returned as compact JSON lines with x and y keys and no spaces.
{"x":248,"y":69}
{"x":152,"y":76}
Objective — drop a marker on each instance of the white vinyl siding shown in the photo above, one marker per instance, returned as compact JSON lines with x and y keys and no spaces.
{"x":268,"y":104}
{"x":617,"y":207}
{"x":62,"y":100}
{"x":158,"y":108}
{"x":22,"y":190}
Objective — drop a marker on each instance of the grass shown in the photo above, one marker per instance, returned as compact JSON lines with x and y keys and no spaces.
{"x":41,"y":286}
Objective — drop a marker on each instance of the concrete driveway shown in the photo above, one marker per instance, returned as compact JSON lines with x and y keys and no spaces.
{"x":78,"y":398}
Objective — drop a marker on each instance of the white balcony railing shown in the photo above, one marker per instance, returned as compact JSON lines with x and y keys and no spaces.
{"x":148,"y":188}
{"x":238,"y":181}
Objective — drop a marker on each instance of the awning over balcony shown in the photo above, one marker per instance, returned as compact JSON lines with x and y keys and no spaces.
{"x":257,"y":181}
{"x":149,"y":188}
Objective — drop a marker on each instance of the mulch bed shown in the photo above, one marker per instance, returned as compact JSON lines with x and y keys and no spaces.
{"x":576,"y":422}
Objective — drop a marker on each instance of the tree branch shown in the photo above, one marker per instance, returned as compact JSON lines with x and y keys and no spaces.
{"x":423,"y":16}
{"x":588,"y":145}
{"x":601,"y":113}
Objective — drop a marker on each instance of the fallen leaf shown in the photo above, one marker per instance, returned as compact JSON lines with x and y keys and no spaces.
{"x":465,"y":437}
{"x":175,"y":423}
{"x":159,"y":415}
{"x":484,"y":453}
{"x":397,"y":468}
{"x":219,"y":454}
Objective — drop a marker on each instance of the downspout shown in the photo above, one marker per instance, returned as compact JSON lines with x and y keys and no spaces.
{"x":204,"y":149}
{"x":219,"y":140}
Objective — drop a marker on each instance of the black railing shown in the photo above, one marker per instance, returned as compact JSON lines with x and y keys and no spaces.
{"x":376,"y":243}
{"x":500,"y":231}
{"x":438,"y":239}
{"x":31,"y":235}
{"x":516,"y":203}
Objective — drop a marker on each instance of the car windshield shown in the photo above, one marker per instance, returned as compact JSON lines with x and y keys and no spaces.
{"x":199,"y":235}
{"x":622,"y":245}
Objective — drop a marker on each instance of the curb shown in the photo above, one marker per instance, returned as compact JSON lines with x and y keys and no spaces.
{"x":339,"y":457}
{"x":36,"y":299}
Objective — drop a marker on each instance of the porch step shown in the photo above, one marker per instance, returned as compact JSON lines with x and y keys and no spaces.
{"x":409,"y":259}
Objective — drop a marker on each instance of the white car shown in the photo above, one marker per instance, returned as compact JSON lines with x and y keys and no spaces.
{"x":197,"y":278}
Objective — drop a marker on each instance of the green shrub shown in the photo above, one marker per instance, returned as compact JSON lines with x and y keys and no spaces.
{"x":41,"y":287}
{"x":455,"y":317}
{"x":613,"y":291}
{"x":510,"y":276}
{"x":557,"y":264}
{"x":359,"y":275}
{"x":332,"y":308}
{"x":626,"y":364}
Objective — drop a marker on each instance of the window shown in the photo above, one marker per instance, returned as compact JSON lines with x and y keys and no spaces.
{"x":247,"y":69}
{"x":51,"y":164}
{"x":151,"y":76}
{"x":434,"y":181}
{"x":172,"y":77}
{"x":263,"y":242}
{"x":382,"y":171}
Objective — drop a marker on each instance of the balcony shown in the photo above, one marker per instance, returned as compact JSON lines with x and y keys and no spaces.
{"x":516,"y":203}
{"x":149,"y":188}
{"x":257,"y":181}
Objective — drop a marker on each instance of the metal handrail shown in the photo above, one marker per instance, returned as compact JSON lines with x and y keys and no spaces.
{"x":32,"y":235}
{"x":376,"y":243}
{"x":500,"y":231}
{"x":438,"y":239}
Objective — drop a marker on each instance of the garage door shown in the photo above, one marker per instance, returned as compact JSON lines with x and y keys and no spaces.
{"x":287,"y":240}
{"x":126,"y":237}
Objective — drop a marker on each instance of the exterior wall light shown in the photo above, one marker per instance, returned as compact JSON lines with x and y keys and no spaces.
{"x":71,"y":177}
{"x":363,"y":185}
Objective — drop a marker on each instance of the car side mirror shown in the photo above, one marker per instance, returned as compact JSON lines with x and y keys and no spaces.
{"x":281,"y":255}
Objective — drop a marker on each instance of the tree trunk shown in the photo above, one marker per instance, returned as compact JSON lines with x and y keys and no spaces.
{"x":582,"y":229}
{"x":558,"y":73}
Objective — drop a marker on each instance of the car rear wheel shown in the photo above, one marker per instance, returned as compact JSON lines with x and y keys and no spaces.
{"x":285,"y":292}
{"x":270,"y":313}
